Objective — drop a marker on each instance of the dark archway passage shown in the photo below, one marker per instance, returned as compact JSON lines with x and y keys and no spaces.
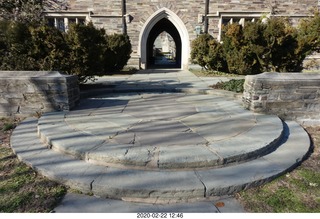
{"x":164,"y":25}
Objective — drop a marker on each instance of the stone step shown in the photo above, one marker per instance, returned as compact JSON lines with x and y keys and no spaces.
{"x":125,"y":137}
{"x":131,"y":184}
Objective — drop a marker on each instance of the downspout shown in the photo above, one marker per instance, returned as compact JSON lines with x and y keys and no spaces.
{"x":123,"y":14}
{"x":206,"y":12}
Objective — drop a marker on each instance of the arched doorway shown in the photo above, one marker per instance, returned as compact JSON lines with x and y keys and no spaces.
{"x":164,"y":26}
{"x":165,"y":51}
{"x":164,"y":20}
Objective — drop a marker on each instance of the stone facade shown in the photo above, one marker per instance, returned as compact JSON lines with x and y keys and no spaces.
{"x":288,"y":95}
{"x":136,"y":18}
{"x":28,"y":93}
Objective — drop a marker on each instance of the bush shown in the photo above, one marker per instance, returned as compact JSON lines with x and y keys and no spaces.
{"x":208,"y":53}
{"x":280,"y":47}
{"x":234,"y":85}
{"x":86,"y":45}
{"x":117,"y":52}
{"x":200,"y":50}
{"x":308,"y":34}
{"x":3,"y":41}
{"x":16,"y":46}
{"x":49,"y":48}
{"x":238,"y":51}
{"x":259,"y":46}
{"x":216,"y":60}
{"x":84,"y":50}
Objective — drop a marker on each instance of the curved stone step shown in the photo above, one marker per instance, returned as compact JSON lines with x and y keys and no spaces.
{"x":125,"y":137}
{"x":182,"y":185}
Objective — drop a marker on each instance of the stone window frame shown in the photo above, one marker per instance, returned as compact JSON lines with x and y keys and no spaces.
{"x":247,"y":16}
{"x":239,"y":17}
{"x":61,"y":20}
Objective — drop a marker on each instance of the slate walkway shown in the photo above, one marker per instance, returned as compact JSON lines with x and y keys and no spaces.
{"x":161,"y":137}
{"x":149,"y":81}
{"x":77,"y":203}
{"x":159,"y":80}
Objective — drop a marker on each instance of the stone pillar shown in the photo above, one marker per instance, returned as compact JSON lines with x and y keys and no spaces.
{"x":35,"y":92}
{"x":288,"y":95}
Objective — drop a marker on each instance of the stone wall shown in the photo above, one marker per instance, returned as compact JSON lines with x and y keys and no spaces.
{"x":108,"y":14}
{"x":29,"y":92}
{"x":288,"y":95}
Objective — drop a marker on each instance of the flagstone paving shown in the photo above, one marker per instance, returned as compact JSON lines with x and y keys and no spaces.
{"x":160,"y":137}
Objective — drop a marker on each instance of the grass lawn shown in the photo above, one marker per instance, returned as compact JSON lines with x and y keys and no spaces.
{"x":21,"y":188}
{"x":297,"y":191}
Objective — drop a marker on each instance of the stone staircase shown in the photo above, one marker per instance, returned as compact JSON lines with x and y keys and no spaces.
{"x":160,"y":147}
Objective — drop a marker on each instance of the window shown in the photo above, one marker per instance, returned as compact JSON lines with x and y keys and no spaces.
{"x":231,"y":20}
{"x":241,"y":21}
{"x":239,"y":17}
{"x":62,"y":22}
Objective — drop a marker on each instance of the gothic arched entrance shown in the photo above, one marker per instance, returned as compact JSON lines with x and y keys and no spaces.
{"x":161,"y":21}
{"x":163,"y":28}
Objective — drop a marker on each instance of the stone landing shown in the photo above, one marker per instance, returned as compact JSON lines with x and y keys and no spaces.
{"x":160,"y":147}
{"x":161,"y":131}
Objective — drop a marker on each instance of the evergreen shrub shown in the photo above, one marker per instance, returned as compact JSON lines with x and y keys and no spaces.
{"x":208,"y":53}
{"x":16,"y":46}
{"x":116,"y":52}
{"x":49,"y":48}
{"x":84,"y":50}
{"x":261,"y":46}
{"x":86,"y":46}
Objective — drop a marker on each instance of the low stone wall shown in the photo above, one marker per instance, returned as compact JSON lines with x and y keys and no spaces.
{"x":34,"y":92}
{"x":288,"y":95}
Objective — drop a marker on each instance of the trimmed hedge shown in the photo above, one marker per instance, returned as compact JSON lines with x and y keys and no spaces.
{"x":49,"y":48}
{"x":86,"y":45}
{"x":84,"y":50}
{"x":208,"y":53}
{"x":274,"y":45}
{"x":116,"y":52}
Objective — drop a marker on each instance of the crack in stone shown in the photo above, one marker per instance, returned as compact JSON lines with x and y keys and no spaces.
{"x":98,"y":145}
{"x":133,"y":140}
{"x":221,"y":159}
{"x":124,"y":108}
{"x":204,"y":185}
{"x":115,"y":135}
{"x":125,"y":131}
{"x":91,"y":185}
{"x":189,"y":130}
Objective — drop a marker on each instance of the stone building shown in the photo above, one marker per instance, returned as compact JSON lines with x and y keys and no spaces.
{"x":144,"y":20}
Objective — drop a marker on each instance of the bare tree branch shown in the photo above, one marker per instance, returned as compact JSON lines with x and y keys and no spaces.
{"x":29,"y":11}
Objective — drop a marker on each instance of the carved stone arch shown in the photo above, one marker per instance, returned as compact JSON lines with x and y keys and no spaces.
{"x":151,"y":22}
